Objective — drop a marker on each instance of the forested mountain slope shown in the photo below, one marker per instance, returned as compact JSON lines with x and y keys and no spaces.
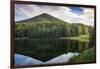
{"x":47,"y":26}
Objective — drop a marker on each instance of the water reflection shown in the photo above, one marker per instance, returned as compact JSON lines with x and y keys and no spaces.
{"x":45,"y":49}
{"x":21,"y":60}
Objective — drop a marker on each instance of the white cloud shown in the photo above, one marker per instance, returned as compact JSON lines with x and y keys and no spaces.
{"x":88,"y":16}
{"x":63,"y":13}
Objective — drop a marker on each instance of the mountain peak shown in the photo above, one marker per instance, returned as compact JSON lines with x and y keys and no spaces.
{"x":44,"y":14}
{"x":41,"y":18}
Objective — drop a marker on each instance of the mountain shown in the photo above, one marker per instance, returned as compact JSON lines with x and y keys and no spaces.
{"x":40,"y":18}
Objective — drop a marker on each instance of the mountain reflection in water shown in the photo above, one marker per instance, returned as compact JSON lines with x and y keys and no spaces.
{"x":21,"y":60}
{"x":48,"y":51}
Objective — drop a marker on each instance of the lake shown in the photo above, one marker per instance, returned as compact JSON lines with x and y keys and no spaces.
{"x":44,"y":50}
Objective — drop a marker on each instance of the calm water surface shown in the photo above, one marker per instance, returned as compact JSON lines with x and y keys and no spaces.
{"x":46,"y":49}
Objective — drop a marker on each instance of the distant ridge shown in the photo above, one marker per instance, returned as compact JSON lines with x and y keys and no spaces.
{"x":40,"y":18}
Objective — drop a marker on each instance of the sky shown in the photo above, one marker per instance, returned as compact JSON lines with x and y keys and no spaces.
{"x":69,"y":14}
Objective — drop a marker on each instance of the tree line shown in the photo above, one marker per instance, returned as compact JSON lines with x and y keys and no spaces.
{"x":52,"y":29}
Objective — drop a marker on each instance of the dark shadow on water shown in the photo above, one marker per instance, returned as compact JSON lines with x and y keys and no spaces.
{"x":46,"y":49}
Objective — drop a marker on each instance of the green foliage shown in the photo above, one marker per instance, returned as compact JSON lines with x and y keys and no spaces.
{"x":47,"y":26}
{"x":83,"y":38}
{"x":86,"y":56}
{"x":49,"y":30}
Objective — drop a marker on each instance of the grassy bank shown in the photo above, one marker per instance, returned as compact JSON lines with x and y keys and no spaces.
{"x":86,"y":56}
{"x":86,"y":36}
{"x":80,"y":37}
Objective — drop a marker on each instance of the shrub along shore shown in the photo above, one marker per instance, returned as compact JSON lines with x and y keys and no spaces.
{"x":86,"y":56}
